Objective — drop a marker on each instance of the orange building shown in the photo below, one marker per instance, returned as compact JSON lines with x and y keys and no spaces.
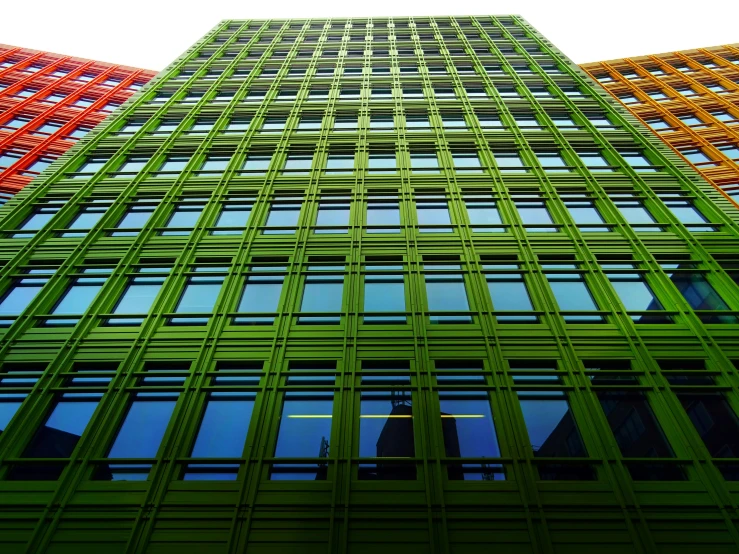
{"x":690,"y":100}
{"x":48,"y":102}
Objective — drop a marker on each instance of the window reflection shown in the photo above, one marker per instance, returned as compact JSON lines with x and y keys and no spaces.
{"x":469,"y":432}
{"x":386,"y":431}
{"x":305,"y":432}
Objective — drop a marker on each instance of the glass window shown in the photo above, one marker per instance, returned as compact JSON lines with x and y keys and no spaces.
{"x":552,"y":162}
{"x":199,"y":296}
{"x":572,"y":295}
{"x":595,"y":161}
{"x":39,"y":165}
{"x":695,"y":155}
{"x":322,"y":294}
{"x":237,"y":124}
{"x":261,"y":294}
{"x":345,"y":123}
{"x":304,"y":432}
{"x":638,"y":434}
{"x":381,"y":162}
{"x":49,"y":127}
{"x":638,"y":161}
{"x":86,"y":219}
{"x":509,"y":294}
{"x":282,"y":218}
{"x":657,"y":123}
{"x":386,"y":431}
{"x":469,"y":432}
{"x":482,"y":212}
{"x":298,"y":164}
{"x":715,"y":421}
{"x":256,"y":164}
{"x":384,"y":293}
{"x":585,"y":215}
{"x":78,"y":297}
{"x":183,"y":219}
{"x":233,"y":218}
{"x":56,"y":438}
{"x":636,"y":296}
{"x":422,"y":162}
{"x":133,"y":164}
{"x":417,"y":122}
{"x":340,"y":163}
{"x":139,"y":436}
{"x":635,"y":213}
{"x":552,"y":432}
{"x":446,"y":292}
{"x":700,"y":295}
{"x":533,"y":215}
{"x":222,"y":434}
{"x":173,"y":164}
{"x":20,"y":294}
{"x":687,"y":214}
{"x":509,"y":162}
{"x":383,"y":215}
{"x":215,"y":164}
{"x":433,"y":215}
{"x":333,"y":216}
{"x":90,"y":167}
{"x":136,"y":216}
{"x":9,"y":158}
{"x":138,"y":296}
{"x":466,"y":162}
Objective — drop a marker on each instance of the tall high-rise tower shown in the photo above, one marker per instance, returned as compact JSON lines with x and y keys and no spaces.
{"x":48,"y":102}
{"x":409,"y":285}
{"x":690,"y":100}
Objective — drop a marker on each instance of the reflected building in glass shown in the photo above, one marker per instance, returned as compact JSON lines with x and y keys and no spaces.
{"x":361,"y":285}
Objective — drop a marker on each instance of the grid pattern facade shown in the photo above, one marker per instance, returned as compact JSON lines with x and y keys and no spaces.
{"x":409,"y":284}
{"x":690,"y":99}
{"x":48,"y":102}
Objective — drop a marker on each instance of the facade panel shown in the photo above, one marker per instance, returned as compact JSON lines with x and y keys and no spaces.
{"x":690,"y":100}
{"x":398,"y":285}
{"x":49,"y":102}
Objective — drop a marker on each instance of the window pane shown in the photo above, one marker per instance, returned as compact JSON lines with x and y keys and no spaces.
{"x":75,"y":302}
{"x":551,"y":425}
{"x":333,"y":215}
{"x":484,"y":213}
{"x":305,"y":432}
{"x":284,"y":215}
{"x":322,"y":296}
{"x":383,"y":218}
{"x":572,"y":295}
{"x":698,"y":292}
{"x":222,"y":432}
{"x":133,"y":219}
{"x":261,"y":294}
{"x":635,"y":294}
{"x":183,"y":218}
{"x":143,"y":429}
{"x":447,"y":293}
{"x":535,"y":214}
{"x":509,"y":293}
{"x":384,"y":293}
{"x":469,"y":432}
{"x":137,"y":299}
{"x":17,"y":299}
{"x":715,"y":421}
{"x":198,"y":298}
{"x":386,"y":430}
{"x":433,"y":214}
{"x":236,"y":217}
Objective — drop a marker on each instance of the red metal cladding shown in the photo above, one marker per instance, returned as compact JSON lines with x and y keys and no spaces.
{"x":48,"y":102}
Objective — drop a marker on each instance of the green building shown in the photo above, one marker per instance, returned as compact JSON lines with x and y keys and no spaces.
{"x":411,"y":285}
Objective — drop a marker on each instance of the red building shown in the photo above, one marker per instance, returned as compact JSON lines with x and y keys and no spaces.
{"x":48,"y":102}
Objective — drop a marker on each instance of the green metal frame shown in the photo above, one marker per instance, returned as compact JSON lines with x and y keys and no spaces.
{"x":343,"y":514}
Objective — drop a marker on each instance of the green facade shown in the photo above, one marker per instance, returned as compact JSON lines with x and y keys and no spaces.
{"x":391,"y":285}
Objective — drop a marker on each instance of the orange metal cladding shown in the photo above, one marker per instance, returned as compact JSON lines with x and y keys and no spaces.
{"x":690,"y":100}
{"x":47,"y":102}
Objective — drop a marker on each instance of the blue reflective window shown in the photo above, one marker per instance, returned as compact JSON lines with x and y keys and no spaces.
{"x":701,"y":295}
{"x":183,"y":219}
{"x":78,"y":298}
{"x":424,"y":162}
{"x":322,"y":294}
{"x":509,"y":294}
{"x":573,"y":295}
{"x":256,"y":164}
{"x":56,"y":438}
{"x":222,"y":434}
{"x":469,"y":432}
{"x":585,"y":215}
{"x":304,"y":432}
{"x":595,"y":161}
{"x":199,"y":297}
{"x":535,"y":213}
{"x":509,"y":162}
{"x":173,"y":164}
{"x":282,"y":219}
{"x":18,"y":297}
{"x":383,"y":216}
{"x":8,"y":408}
{"x":140,"y":436}
{"x":232,"y":219}
{"x":552,"y":162}
{"x":433,"y":216}
{"x":635,"y":294}
{"x":551,"y":425}
{"x":635,"y":213}
{"x":447,"y":293}
{"x":384,"y":293}
{"x":687,"y":214}
{"x":261,"y":295}
{"x":483,"y":212}
{"x":91,"y":166}
{"x":86,"y":219}
{"x":137,"y":299}
{"x":134,"y":220}
{"x":386,"y":431}
{"x":333,"y":216}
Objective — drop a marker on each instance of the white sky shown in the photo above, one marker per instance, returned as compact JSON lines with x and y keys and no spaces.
{"x":152,"y":33}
